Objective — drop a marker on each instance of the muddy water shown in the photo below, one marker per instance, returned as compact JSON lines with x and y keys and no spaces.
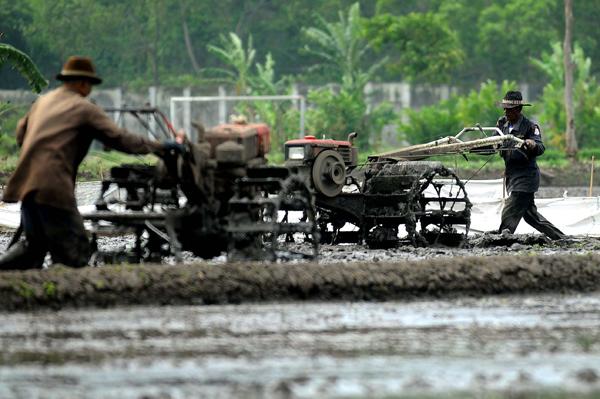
{"x":515,"y":346}
{"x":507,"y":345}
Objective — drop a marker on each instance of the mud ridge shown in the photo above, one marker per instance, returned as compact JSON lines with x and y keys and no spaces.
{"x":155,"y":284}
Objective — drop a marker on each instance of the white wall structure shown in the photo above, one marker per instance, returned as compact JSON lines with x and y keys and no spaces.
{"x":399,"y":94}
{"x":575,"y":216}
{"x":186,"y":102}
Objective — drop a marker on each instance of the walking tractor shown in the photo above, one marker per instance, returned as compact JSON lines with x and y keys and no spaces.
{"x":394,"y":197}
{"x":220,"y":196}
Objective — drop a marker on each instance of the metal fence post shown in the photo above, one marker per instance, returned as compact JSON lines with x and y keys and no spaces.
{"x":295,"y":92}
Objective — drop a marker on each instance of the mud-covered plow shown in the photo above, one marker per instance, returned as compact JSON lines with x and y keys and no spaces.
{"x":424,"y":199}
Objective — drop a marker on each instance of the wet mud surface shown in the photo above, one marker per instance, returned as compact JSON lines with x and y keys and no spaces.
{"x":507,"y":316}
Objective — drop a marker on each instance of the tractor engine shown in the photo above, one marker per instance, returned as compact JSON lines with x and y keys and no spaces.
{"x":325,"y":161}
{"x":183,"y":202}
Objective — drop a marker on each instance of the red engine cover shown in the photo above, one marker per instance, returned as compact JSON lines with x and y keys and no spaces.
{"x":320,"y":142}
{"x":264,"y":138}
{"x":234,"y":130}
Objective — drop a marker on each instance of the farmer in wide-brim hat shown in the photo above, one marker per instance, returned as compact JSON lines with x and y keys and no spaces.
{"x":54,"y":137}
{"x":522,"y":172}
{"x":79,"y":68}
{"x":512,"y":99}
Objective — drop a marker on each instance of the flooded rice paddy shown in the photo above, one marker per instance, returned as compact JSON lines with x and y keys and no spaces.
{"x":465,"y":347}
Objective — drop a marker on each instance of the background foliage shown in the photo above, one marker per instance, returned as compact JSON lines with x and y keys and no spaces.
{"x":145,"y":39}
{"x":449,"y":117}
{"x":476,"y":43}
{"x":587,"y":98}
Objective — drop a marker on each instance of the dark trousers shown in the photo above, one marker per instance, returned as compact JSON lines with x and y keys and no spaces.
{"x":521,"y":206}
{"x":48,"y":229}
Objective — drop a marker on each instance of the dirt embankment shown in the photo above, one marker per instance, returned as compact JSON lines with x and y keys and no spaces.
{"x":234,"y":283}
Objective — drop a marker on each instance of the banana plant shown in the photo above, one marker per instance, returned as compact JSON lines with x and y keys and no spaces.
{"x":234,"y":55}
{"x":587,"y":95}
{"x":341,"y":48}
{"x":24,"y":65}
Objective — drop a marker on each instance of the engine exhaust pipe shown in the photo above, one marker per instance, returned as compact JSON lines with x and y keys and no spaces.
{"x":351,"y":137}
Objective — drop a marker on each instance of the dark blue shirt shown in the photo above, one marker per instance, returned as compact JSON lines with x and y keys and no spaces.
{"x":522,"y":171}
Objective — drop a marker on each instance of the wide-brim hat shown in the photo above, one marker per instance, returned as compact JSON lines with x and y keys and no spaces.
{"x":512,"y":99}
{"x":79,"y":68}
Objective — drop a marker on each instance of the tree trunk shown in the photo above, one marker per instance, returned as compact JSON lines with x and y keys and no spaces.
{"x":572,"y":148}
{"x":154,"y":53}
{"x":188,"y":41}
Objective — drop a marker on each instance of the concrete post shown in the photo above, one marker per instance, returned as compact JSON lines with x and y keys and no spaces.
{"x":302,"y":117}
{"x":118,"y":104}
{"x":444,"y":92}
{"x":172,"y":114}
{"x":368,"y":91}
{"x":405,"y":95}
{"x":524,"y":89}
{"x":153,"y":92}
{"x":187,"y":114}
{"x":222,"y":106}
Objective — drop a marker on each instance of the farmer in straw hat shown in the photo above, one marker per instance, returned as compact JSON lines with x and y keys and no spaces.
{"x":522,"y":172}
{"x":55,"y":136}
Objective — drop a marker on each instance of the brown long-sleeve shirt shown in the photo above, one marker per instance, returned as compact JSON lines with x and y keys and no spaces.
{"x":55,"y":136}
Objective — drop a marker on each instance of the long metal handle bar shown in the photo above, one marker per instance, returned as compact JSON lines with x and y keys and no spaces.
{"x":478,"y":128}
{"x":447,"y":146}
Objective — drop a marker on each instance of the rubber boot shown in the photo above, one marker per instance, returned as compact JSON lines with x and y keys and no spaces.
{"x":21,"y":257}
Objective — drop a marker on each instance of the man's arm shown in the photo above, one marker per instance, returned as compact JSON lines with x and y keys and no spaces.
{"x":114,"y":137}
{"x":534,"y":145}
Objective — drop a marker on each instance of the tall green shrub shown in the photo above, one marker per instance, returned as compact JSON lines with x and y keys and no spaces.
{"x":429,"y":123}
{"x":450,"y":116}
{"x":587,"y":98}
{"x":338,"y":114}
{"x":478,"y":106}
{"x":342,"y":49}
{"x":256,"y":79}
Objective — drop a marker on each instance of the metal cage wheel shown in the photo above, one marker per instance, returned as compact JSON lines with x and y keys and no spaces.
{"x":441,"y":204}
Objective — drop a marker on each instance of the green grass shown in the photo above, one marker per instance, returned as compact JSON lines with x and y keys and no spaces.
{"x":551,"y":158}
{"x":100,"y":161}
{"x":97,"y":164}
